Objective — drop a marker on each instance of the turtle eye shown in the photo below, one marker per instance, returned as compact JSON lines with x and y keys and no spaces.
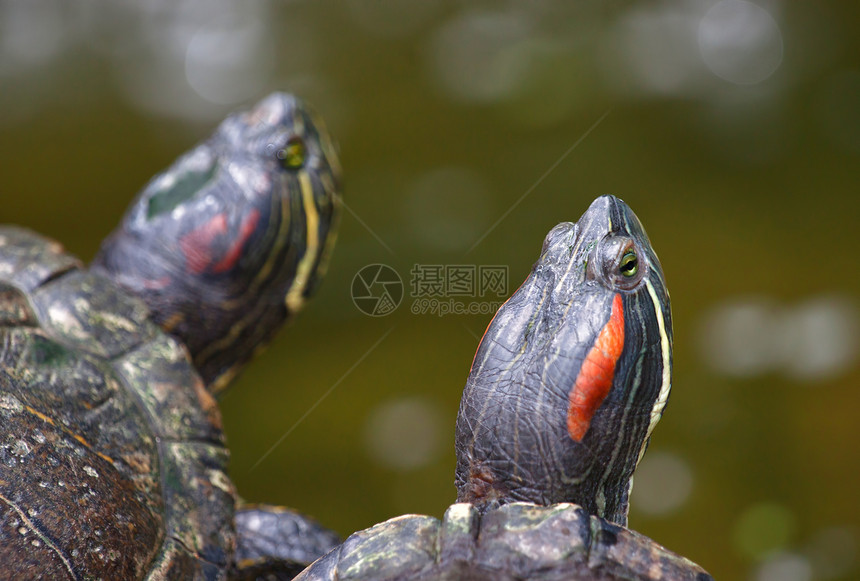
{"x":629,"y":264}
{"x":294,"y":154}
{"x":615,"y":262}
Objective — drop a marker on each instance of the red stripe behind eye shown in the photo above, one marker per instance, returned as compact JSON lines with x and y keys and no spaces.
{"x":249,"y":224}
{"x":196,"y":244}
{"x":595,"y":377}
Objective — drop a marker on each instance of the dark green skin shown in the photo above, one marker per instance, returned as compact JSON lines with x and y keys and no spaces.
{"x":277,"y":543}
{"x":112,"y":456}
{"x":512,"y":439}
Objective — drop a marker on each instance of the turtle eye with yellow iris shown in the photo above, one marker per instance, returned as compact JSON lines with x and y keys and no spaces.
{"x":294,"y":154}
{"x":629,"y":264}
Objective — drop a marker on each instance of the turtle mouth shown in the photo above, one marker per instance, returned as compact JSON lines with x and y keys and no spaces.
{"x":275,"y":110}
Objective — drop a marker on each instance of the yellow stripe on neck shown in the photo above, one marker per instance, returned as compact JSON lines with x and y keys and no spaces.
{"x":666,"y":386}
{"x":295,"y":298}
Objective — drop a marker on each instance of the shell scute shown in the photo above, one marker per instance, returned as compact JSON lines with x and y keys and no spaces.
{"x":112,"y":458}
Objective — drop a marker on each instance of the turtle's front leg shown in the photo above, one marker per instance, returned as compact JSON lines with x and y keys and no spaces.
{"x":275,"y":542}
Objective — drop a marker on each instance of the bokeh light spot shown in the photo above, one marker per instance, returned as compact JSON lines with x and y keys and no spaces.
{"x":833,"y":552}
{"x":229,"y":61}
{"x":404,"y":434}
{"x":662,"y":485}
{"x":557,"y":82}
{"x":31,"y":34}
{"x":814,"y":340}
{"x":820,"y":338}
{"x":738,"y":336}
{"x":467,"y":56}
{"x":392,"y":19}
{"x":657,"y":44}
{"x":446,"y":208}
{"x":763,"y":528}
{"x":784,"y":567}
{"x":740,"y":42}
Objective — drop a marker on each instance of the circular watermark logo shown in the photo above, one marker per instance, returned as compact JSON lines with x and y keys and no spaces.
{"x":377,"y":290}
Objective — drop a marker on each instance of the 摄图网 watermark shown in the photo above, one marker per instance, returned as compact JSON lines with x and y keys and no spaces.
{"x":435,"y":289}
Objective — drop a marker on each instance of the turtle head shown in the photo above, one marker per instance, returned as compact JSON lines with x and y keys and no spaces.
{"x":573,"y":372}
{"x":227,"y":243}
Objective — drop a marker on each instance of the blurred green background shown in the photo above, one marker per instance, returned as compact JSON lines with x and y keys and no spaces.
{"x":731,"y":128}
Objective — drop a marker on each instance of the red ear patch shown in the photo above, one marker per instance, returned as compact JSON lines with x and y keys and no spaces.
{"x":596,"y":374}
{"x":197,"y":244}
{"x":249,"y":224}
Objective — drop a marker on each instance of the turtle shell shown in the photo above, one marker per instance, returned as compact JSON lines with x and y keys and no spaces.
{"x":560,"y":542}
{"x":112,"y":456}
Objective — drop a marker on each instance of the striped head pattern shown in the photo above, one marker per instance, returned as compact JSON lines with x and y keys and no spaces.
{"x":573,"y":373}
{"x":227,"y":243}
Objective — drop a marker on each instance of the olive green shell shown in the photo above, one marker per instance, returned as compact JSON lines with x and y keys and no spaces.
{"x":112,"y":456}
{"x":513,"y":542}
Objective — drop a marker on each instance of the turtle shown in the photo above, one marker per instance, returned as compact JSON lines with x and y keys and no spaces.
{"x":112,"y":454}
{"x":564,"y":392}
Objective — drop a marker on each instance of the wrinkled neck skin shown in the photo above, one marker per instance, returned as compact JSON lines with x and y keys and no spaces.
{"x":226,"y":244}
{"x":572,"y":374}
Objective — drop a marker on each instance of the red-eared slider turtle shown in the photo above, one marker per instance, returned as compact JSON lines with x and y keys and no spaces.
{"x":566,"y":387}
{"x":112,"y":458}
